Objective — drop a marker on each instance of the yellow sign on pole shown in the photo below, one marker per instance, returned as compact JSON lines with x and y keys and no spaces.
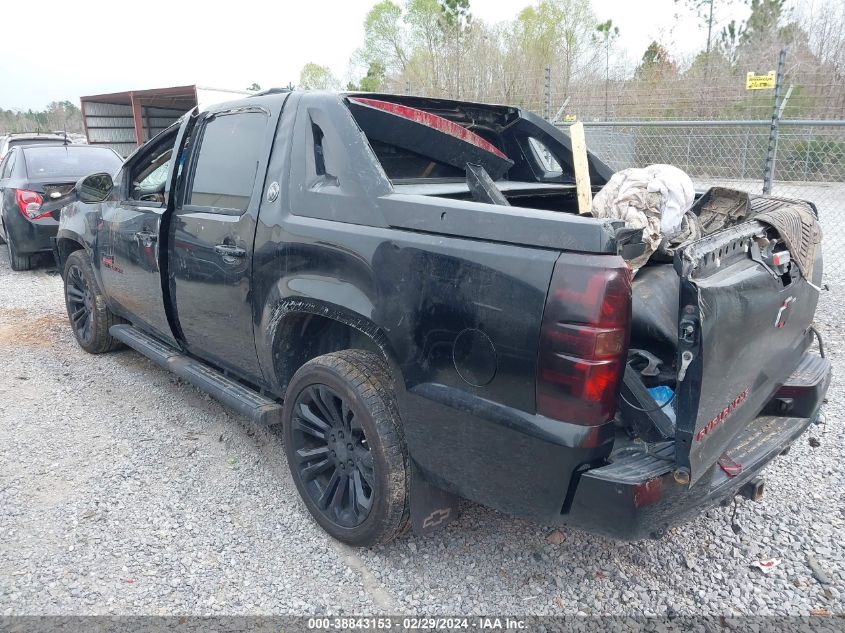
{"x":570,"y":118}
{"x":760,"y":82}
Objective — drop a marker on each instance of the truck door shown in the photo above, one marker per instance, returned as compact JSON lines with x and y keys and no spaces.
{"x":132,"y":229}
{"x":212,"y":236}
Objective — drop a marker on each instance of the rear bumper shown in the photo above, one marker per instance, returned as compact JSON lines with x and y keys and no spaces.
{"x":637,"y":497}
{"x":552,"y":472}
{"x":30,"y":236}
{"x":629,"y":500}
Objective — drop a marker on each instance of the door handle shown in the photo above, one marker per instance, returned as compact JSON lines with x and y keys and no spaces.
{"x":227,"y":250}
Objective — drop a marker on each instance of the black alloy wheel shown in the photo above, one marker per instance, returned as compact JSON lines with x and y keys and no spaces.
{"x":345,"y":446}
{"x":332,"y":456}
{"x":87,"y":310}
{"x":80,"y":304}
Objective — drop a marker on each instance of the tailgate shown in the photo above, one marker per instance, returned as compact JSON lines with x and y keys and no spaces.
{"x":743,"y":328}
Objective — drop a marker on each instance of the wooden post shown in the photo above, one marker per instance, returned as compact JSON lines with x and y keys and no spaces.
{"x":582,"y":168}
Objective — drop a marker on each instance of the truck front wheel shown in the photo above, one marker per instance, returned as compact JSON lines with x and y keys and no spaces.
{"x":89,"y":316}
{"x":346,"y":448}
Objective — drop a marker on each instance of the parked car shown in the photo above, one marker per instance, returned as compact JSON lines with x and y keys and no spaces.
{"x":32,"y":173}
{"x":404,"y":287}
{"x":9,"y":141}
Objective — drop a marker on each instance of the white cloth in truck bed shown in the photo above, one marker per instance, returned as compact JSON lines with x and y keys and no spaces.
{"x":652,"y":198}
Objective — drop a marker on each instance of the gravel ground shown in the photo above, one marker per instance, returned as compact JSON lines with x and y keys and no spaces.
{"x":126,"y":491}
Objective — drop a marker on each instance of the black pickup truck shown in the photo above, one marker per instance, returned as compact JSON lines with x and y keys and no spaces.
{"x":403,"y":286}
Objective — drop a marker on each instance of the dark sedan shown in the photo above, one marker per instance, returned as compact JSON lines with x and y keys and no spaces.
{"x":31,"y":174}
{"x":9,"y":141}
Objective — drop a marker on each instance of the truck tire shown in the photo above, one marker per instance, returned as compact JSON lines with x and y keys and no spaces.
{"x":346,"y":447}
{"x":16,"y":261}
{"x":89,"y":317}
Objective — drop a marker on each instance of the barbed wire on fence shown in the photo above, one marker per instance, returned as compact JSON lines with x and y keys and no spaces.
{"x":815,"y":94}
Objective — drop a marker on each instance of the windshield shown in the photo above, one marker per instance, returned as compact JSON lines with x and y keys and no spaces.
{"x":69,"y":161}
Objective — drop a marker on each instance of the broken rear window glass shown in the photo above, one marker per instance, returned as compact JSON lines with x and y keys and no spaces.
{"x":403,"y":164}
{"x":417,"y":144}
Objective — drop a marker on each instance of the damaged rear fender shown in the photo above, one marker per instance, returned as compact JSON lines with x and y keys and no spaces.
{"x":301,"y":329}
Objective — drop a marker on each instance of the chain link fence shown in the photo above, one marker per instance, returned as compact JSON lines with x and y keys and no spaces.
{"x":705,"y":122}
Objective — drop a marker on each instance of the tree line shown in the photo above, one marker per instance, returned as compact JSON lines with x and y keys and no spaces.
{"x":558,"y":58}
{"x":558,"y":55}
{"x":57,"y":116}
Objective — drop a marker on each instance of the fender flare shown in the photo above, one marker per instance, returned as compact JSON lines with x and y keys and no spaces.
{"x":73,"y":236}
{"x":298,"y":306}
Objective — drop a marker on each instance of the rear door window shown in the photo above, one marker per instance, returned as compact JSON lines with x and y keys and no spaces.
{"x":227,"y":162}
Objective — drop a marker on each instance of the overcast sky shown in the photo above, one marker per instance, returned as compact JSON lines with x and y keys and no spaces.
{"x":96,"y":46}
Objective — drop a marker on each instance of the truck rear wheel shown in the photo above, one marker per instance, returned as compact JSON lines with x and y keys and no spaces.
{"x":346,"y":448}
{"x":90,"y":319}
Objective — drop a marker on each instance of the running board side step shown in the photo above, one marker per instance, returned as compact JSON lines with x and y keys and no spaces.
{"x":260,"y":409}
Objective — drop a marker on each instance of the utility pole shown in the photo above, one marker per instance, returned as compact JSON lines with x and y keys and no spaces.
{"x":547,"y":105}
{"x":710,"y":27}
{"x":606,"y":79}
{"x":771,"y":150}
{"x":609,"y":33}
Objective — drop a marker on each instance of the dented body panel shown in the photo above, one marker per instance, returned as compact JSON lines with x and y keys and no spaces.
{"x":746,"y":328}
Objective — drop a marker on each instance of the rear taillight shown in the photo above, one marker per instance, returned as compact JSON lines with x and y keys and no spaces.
{"x":29,"y":203}
{"x":584,"y":339}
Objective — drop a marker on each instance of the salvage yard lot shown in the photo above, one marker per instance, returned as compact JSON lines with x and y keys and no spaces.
{"x":126,"y":491}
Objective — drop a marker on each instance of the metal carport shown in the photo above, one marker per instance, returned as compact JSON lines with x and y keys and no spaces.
{"x":124,"y":120}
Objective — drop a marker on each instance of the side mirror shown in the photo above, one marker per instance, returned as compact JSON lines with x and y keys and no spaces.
{"x":94,"y":188}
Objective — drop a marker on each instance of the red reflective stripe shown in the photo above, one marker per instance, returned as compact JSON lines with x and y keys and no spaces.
{"x":431,"y":120}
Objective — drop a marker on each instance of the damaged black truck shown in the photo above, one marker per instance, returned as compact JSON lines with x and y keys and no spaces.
{"x":405,"y":289}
